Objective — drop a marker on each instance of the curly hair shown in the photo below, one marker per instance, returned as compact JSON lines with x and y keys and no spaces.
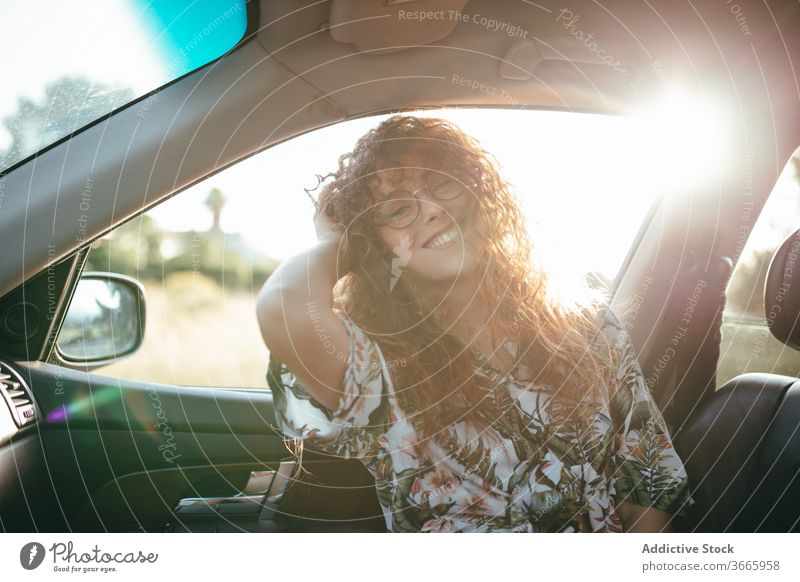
{"x":436,"y":384}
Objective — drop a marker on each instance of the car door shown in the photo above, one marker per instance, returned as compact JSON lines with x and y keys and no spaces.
{"x":177,"y":434}
{"x":110,"y":454}
{"x":180,"y":435}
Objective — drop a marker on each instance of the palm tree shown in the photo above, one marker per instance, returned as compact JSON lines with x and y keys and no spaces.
{"x":215,"y":201}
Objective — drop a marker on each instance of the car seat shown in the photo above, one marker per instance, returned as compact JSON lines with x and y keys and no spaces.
{"x":742,"y":449}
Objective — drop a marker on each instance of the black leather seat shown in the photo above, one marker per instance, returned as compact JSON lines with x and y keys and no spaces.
{"x":742,"y":450}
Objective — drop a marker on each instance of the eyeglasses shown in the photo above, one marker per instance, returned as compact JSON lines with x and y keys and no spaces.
{"x":400,"y":208}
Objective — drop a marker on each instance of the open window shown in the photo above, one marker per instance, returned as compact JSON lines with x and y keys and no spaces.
{"x":583,"y":181}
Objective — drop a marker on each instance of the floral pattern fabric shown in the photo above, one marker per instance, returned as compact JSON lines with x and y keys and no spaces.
{"x":523,"y":475}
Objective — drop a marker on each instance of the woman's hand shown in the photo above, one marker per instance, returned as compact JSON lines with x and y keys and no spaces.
{"x":330,"y":233}
{"x":637,"y":518}
{"x":325,"y":227}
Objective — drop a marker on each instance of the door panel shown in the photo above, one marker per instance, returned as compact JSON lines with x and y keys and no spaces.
{"x":121,"y":455}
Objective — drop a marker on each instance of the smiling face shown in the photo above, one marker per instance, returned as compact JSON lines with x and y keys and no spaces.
{"x":442,"y":243}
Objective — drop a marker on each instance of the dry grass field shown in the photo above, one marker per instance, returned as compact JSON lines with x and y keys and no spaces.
{"x":197,"y":334}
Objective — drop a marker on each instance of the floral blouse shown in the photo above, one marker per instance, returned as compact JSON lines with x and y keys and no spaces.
{"x":530,"y":477}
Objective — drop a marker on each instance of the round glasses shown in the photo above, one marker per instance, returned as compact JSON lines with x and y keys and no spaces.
{"x":400,"y":208}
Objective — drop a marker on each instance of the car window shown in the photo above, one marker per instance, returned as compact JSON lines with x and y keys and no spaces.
{"x":747,"y":344}
{"x":204,"y":254}
{"x":66,"y":64}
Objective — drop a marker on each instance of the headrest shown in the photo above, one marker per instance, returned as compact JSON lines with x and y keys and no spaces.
{"x":782,"y":292}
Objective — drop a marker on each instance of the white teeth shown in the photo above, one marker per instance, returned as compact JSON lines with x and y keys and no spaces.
{"x":443,"y":239}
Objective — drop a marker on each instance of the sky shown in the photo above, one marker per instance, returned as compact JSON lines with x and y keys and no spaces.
{"x":134,"y":44}
{"x":75,"y":39}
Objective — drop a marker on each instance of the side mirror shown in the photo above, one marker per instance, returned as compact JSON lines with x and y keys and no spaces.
{"x":104,"y":322}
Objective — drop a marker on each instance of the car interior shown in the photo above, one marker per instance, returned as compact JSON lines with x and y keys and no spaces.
{"x":84,"y":452}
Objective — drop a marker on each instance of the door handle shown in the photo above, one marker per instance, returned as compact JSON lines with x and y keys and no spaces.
{"x":261,"y":487}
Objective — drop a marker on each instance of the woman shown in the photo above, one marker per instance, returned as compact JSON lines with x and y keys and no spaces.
{"x":419,"y":337}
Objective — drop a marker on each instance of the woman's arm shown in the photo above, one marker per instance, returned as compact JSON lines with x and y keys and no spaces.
{"x":639,"y":519}
{"x":299,"y":327}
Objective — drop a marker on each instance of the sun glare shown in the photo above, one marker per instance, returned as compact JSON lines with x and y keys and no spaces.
{"x":691,"y":134}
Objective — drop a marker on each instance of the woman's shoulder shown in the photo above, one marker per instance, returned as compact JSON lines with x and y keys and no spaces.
{"x":365,"y":409}
{"x":365,"y":357}
{"x":350,"y":324}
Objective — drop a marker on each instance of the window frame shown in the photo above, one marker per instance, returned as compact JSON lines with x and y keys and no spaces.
{"x":53,"y":357}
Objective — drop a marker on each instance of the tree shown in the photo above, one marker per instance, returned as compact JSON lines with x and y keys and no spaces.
{"x":215,"y":201}
{"x":132,"y":249}
{"x":69,"y":104}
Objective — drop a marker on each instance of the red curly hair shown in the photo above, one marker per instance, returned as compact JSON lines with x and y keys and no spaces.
{"x":434,"y":380}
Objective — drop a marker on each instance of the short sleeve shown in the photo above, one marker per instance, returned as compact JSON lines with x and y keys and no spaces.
{"x":353,"y":429}
{"x":646,"y":469}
